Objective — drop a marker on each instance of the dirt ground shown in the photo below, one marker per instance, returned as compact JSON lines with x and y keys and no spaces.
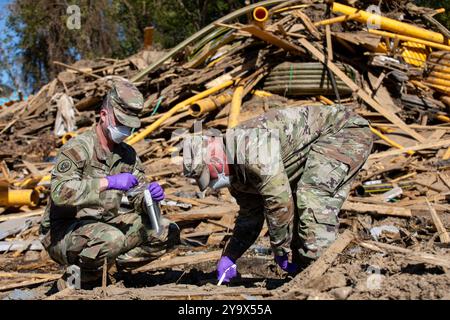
{"x":357,"y":273}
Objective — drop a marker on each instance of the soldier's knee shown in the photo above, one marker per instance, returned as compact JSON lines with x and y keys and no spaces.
{"x":108,"y":245}
{"x":114,"y":244}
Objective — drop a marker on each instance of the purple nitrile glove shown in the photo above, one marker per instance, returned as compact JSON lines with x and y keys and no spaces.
{"x":122,"y":181}
{"x":156,"y":191}
{"x":283,"y":263}
{"x":224,"y":264}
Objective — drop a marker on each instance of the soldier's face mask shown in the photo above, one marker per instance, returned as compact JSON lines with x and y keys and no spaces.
{"x":117,"y":133}
{"x":219,"y":179}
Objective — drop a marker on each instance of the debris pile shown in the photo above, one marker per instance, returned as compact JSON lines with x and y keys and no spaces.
{"x":391,"y":69}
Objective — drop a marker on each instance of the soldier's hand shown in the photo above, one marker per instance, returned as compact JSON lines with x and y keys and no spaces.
{"x":283,"y":263}
{"x":122,"y":181}
{"x":156,"y":191}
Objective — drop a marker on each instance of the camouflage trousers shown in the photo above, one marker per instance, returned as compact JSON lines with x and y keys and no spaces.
{"x":126,"y":240}
{"x":322,"y":189}
{"x":318,"y":196}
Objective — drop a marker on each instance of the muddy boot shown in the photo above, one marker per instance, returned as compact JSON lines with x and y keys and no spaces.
{"x":61,"y":283}
{"x":137,"y":257}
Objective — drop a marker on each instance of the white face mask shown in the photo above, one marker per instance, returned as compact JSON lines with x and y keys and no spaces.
{"x":118,"y":133}
{"x":222,"y":181}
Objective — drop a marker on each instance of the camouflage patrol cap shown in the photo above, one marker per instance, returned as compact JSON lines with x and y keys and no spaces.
{"x":127,"y":102}
{"x":194,"y":164}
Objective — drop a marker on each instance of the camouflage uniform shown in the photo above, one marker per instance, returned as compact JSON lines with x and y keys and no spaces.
{"x":321,"y":150}
{"x":82,"y":225}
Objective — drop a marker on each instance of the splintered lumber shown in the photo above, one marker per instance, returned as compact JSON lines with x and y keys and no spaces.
{"x":21,"y":215}
{"x":50,"y":276}
{"x":360,"y":92}
{"x":203,"y":32}
{"x":421,"y":257}
{"x":443,"y":235}
{"x":215,"y":212}
{"x":272,"y":39}
{"x":180,"y":261}
{"x":379,"y":209}
{"x":28,"y":283}
{"x":423,"y":146}
{"x":318,"y":268}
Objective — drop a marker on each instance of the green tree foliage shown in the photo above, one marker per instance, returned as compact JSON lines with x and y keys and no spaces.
{"x":109,"y":28}
{"x":443,"y":18}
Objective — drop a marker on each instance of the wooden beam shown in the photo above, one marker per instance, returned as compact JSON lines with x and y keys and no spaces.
{"x":443,"y":235}
{"x":361,"y":93}
{"x":181,"y":261}
{"x":379,"y":209}
{"x":272,"y":39}
{"x":421,"y":257}
{"x":216,"y":212}
{"x":423,"y":146}
{"x":318,"y":268}
{"x":28,"y":283}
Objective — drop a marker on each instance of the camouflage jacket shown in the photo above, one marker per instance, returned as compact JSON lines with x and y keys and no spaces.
{"x":75,"y":182}
{"x":264,"y":179}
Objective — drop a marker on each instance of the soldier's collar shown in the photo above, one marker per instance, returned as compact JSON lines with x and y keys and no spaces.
{"x":99,"y":151}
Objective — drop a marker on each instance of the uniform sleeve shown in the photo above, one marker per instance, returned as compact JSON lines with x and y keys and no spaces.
{"x":273,"y":186}
{"x":68,"y":186}
{"x":139,"y":173}
{"x":248,"y":224}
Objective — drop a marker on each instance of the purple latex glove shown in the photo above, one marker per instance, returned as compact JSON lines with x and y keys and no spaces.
{"x":156,"y":191}
{"x":224,"y":264}
{"x":283,"y":263}
{"x":122,"y":181}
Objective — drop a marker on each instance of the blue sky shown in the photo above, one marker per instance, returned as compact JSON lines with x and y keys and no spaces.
{"x":3,"y":77}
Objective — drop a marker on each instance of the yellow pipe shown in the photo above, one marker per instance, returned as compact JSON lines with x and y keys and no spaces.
{"x":441,"y":69}
{"x":443,"y":118}
{"x":446,"y":154}
{"x":233,"y":118}
{"x":388,"y":140}
{"x":337,"y":19}
{"x":440,"y":75}
{"x":206,"y":105}
{"x":261,"y":93}
{"x":260,"y":16}
{"x":411,"y":39}
{"x":446,"y":100}
{"x":24,"y":197}
{"x":141,"y":135}
{"x":420,"y":85}
{"x":69,"y":135}
{"x":441,"y":82}
{"x":326,"y":100}
{"x":439,"y":88}
{"x":391,"y":24}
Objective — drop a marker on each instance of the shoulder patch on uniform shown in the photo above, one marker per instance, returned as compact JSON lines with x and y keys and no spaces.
{"x":64,"y":166}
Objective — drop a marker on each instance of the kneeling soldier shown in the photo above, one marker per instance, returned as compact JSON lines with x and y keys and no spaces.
{"x":89,"y":217}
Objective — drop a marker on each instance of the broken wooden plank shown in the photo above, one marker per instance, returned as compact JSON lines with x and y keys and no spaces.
{"x":379,"y":209}
{"x":28,"y":283}
{"x":216,"y":212}
{"x":272,"y":39}
{"x":181,"y":261}
{"x":361,"y":93}
{"x":443,"y":235}
{"x":21,"y":215}
{"x":423,"y":146}
{"x":319,"y":267}
{"x":421,"y":257}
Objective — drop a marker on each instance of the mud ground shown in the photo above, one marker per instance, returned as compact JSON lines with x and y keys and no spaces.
{"x":358,"y":273}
